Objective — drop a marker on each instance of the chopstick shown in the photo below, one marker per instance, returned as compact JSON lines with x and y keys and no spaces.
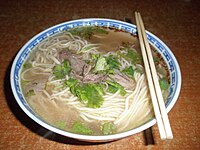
{"x":154,"y":87}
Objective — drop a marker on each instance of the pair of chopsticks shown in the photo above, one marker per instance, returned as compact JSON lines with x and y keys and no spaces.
{"x":147,"y":132}
{"x":154,"y":87}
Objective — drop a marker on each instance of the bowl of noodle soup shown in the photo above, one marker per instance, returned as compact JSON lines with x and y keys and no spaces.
{"x":85,"y":79}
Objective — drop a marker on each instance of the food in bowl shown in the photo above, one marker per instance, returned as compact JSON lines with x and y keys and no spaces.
{"x":90,"y":80}
{"x":85,"y":79}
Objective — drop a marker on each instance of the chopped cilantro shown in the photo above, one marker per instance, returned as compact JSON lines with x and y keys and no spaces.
{"x":164,"y":85}
{"x":95,"y":56}
{"x":60,"y":71}
{"x":108,"y":128}
{"x":107,"y":64}
{"x":113,"y":87}
{"x":71,"y":83}
{"x":112,"y":62}
{"x":156,"y":59}
{"x":30,"y":93}
{"x":80,"y":128}
{"x":101,"y":64}
{"x":89,"y":94}
{"x":61,"y":125}
{"x":27,"y":65}
{"x":129,"y":71}
{"x":131,"y":55}
{"x":99,"y":88}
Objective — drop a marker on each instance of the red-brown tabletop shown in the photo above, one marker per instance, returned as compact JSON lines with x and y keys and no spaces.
{"x":177,"y":23}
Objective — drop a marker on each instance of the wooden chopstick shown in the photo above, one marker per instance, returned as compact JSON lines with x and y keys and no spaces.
{"x":154,"y":87}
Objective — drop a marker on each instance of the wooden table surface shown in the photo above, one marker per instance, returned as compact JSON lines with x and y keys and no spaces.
{"x":176,"y":22}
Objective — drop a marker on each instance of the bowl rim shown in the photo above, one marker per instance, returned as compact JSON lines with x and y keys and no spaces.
{"x":92,"y":137}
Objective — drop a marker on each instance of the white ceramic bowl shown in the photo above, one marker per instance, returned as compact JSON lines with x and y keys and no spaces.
{"x":175,"y":74}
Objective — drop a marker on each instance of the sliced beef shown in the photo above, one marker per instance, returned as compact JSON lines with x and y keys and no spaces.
{"x":123,"y":80}
{"x":90,"y":78}
{"x":76,"y":63}
{"x":94,"y":78}
{"x":80,"y":69}
{"x":64,"y":54}
{"x":86,"y":69}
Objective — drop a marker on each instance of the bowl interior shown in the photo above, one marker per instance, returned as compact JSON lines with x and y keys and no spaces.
{"x":175,"y":75}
